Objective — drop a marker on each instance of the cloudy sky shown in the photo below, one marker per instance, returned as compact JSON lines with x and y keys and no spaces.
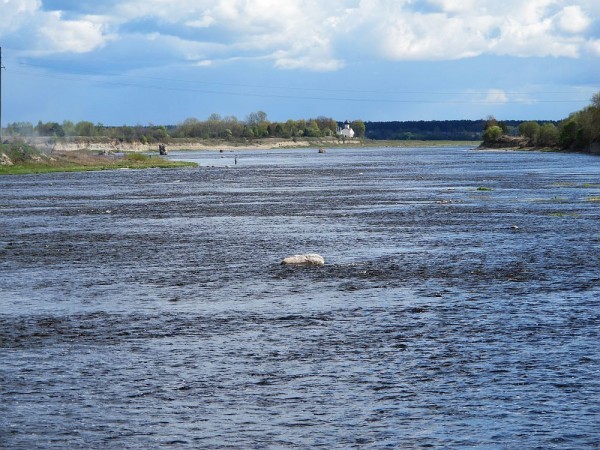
{"x":162,"y":61}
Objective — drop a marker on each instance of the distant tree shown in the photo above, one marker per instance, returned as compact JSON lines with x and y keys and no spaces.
{"x":24,"y":129}
{"x":492,"y":134}
{"x":596,"y":100}
{"x":359,"y":128}
{"x":290,"y":128}
{"x":548,"y":135}
{"x":530,"y":130}
{"x":160,"y":133}
{"x":312,"y":129}
{"x":327,"y":125}
{"x":568,"y":132}
{"x":189,"y":128}
{"x":490,"y":122}
{"x":49,"y":129}
{"x":248,"y":132}
{"x":69,"y":128}
{"x":85,"y":128}
{"x":256,"y":118}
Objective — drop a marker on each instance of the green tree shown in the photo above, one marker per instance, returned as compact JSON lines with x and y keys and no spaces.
{"x":490,"y":122}
{"x":548,"y":135}
{"x":492,"y":134}
{"x":85,"y":128}
{"x":359,"y":128}
{"x":69,"y":128}
{"x":530,"y":130}
{"x":160,"y":133}
{"x":312,"y":130}
{"x":49,"y":129}
{"x":568,"y":132}
{"x":227,"y":134}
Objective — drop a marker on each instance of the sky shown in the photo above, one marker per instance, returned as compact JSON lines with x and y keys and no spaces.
{"x":128,"y":62}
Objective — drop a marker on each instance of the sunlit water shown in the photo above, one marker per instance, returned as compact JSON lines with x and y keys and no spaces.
{"x":459,"y":305}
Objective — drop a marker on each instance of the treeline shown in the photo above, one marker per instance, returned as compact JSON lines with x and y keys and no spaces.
{"x":579,"y":132}
{"x":256,"y":125}
{"x":140,"y":133}
{"x":453,"y":130}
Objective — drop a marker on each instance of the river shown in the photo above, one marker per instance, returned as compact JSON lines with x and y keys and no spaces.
{"x":459,"y":306}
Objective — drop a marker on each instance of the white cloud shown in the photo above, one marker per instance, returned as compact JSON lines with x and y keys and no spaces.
{"x":496,"y":96}
{"x":461,"y":29}
{"x":572,"y":19}
{"x":76,"y":36}
{"x":309,"y":34}
{"x":204,"y":22}
{"x":593,"y":47}
{"x":13,"y":13}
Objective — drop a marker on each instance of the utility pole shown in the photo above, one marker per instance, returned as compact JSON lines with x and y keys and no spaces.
{"x":1,"y":67}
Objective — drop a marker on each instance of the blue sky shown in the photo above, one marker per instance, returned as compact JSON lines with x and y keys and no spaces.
{"x":160,"y":62}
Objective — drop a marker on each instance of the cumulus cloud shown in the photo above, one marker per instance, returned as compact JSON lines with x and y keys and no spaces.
{"x":76,"y":36}
{"x":460,"y":29}
{"x":45,"y":32}
{"x":572,"y":19}
{"x":14,"y":13}
{"x":307,"y":34}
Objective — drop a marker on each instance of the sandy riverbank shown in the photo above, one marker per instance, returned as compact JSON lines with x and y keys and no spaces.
{"x":115,"y":145}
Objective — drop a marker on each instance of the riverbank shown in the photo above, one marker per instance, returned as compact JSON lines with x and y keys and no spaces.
{"x":519,"y":143}
{"x":19,"y":159}
{"x":69,"y":144}
{"x":39,"y":155}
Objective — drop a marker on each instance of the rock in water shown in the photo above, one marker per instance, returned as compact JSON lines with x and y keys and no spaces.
{"x":310,"y":259}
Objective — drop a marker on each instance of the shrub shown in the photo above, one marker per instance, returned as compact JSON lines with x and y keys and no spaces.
{"x":492,"y":134}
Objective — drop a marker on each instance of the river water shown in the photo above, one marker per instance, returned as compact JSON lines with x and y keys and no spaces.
{"x":459,"y":305}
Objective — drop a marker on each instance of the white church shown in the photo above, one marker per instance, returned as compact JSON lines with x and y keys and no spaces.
{"x":346,"y":132}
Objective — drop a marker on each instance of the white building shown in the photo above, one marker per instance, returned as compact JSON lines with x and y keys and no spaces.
{"x":346,"y":131}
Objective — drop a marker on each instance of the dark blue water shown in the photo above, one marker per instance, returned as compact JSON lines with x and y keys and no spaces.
{"x":459,"y":306}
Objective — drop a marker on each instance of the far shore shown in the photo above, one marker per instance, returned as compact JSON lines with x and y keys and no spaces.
{"x":114,"y":145}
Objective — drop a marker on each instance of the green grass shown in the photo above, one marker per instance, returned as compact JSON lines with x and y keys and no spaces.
{"x":483,"y":188}
{"x":27,"y":159}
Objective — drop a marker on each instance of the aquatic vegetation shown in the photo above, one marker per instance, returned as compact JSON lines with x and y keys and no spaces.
{"x":563,"y":214}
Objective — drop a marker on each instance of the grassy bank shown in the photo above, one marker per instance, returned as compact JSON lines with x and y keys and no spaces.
{"x":18,"y":158}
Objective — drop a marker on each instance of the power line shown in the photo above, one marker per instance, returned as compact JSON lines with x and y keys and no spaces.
{"x":310,"y":97}
{"x":298,"y":88}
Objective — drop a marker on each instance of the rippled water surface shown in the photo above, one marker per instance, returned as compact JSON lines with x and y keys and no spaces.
{"x":459,"y":305}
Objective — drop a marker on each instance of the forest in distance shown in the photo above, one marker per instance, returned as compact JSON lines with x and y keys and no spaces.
{"x":580,"y":131}
{"x":229,"y":127}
